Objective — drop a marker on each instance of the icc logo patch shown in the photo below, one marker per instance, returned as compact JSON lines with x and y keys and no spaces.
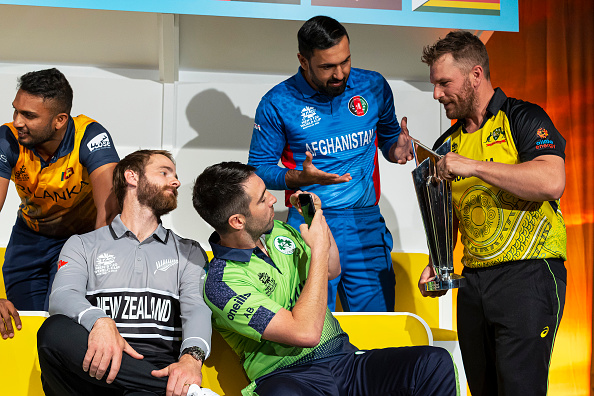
{"x":542,"y":133}
{"x":284,"y":245}
{"x":358,"y":106}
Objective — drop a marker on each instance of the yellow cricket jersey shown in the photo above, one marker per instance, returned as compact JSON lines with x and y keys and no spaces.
{"x":495,"y":225}
{"x":57,"y":196}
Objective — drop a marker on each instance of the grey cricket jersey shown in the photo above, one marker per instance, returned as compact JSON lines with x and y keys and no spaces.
{"x":152,"y":289}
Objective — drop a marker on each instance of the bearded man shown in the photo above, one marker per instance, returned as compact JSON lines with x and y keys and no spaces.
{"x":127,"y":312}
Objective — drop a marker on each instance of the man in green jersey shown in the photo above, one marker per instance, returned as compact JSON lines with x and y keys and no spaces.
{"x":267,"y":287}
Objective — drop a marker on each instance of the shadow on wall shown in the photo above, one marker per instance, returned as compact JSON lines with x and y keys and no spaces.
{"x":223,"y":134}
{"x":391,"y":219}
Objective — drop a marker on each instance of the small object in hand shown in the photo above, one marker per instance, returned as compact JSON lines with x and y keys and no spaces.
{"x":308,"y":208}
{"x":195,"y":390}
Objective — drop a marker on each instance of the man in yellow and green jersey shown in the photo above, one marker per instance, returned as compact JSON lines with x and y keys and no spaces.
{"x":507,"y":169}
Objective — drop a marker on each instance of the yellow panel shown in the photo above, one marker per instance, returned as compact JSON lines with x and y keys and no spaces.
{"x":383,"y":330}
{"x":209,"y":254}
{"x":2,"y":289}
{"x":20,"y":373}
{"x":221,"y":371}
{"x":408,"y":268}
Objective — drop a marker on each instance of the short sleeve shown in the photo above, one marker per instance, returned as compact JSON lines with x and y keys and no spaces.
{"x":97,"y":148}
{"x":9,"y":151}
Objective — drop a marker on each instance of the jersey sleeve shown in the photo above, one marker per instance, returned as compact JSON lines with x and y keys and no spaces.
{"x":534,"y":133}
{"x":237,"y":304}
{"x":267,"y":145}
{"x":388,"y":128}
{"x":97,"y":148}
{"x":9,"y":152}
{"x":195,"y":314}
{"x":68,"y":296}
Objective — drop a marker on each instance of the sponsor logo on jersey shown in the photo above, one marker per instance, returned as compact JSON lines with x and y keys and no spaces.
{"x":284,"y":245}
{"x":21,"y":174}
{"x":237,"y":303}
{"x":99,"y":142}
{"x":3,"y":158}
{"x":454,"y":147}
{"x":105,"y":264}
{"x":164,"y":265}
{"x":69,"y":172}
{"x":358,"y":106}
{"x":256,"y":126}
{"x":309,"y":117}
{"x":544,"y":332}
{"x":61,"y":263}
{"x":542,"y":133}
{"x":332,"y":145}
{"x":544,"y":143}
{"x":497,"y":136}
{"x":268,"y":282}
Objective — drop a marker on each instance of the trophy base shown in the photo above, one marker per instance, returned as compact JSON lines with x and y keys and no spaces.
{"x":453,"y":282}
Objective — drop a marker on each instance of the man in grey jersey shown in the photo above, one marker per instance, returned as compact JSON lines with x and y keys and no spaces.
{"x":127,"y":312}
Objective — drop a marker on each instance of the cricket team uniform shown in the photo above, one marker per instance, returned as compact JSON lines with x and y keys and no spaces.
{"x":56,"y":202}
{"x":514,"y":253}
{"x":152,"y":289}
{"x":245,"y":288}
{"x":343,"y":134}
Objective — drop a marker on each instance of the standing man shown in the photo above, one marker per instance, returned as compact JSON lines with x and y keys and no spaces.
{"x":61,"y":167}
{"x":127,"y":297}
{"x":507,"y":169}
{"x":325,"y":124}
{"x":267,"y":286}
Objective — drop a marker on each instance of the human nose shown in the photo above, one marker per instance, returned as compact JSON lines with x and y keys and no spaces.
{"x":17,"y":120}
{"x":338,"y":73}
{"x":175,"y":182}
{"x":272,"y":199}
{"x":437,"y":92}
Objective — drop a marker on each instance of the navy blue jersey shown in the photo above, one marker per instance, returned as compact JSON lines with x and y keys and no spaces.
{"x":342,"y":132}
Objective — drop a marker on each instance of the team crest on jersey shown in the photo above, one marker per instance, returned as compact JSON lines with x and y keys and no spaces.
{"x":542,"y":133}
{"x":284,"y":245}
{"x":164,"y":265}
{"x":99,"y":142}
{"x":21,"y":174}
{"x":497,"y":136}
{"x":309,"y":117}
{"x":69,"y":172}
{"x":268,"y":282}
{"x":105,"y":264}
{"x":358,"y":106}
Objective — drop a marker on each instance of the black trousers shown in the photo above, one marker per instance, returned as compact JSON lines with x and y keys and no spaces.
{"x":62,"y":345}
{"x":406,"y":371}
{"x":508,"y":316}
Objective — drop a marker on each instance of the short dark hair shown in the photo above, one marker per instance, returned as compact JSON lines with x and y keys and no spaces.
{"x":136,"y":162}
{"x":51,"y":85}
{"x":219,"y":193}
{"x":466,"y":49}
{"x":320,"y":32}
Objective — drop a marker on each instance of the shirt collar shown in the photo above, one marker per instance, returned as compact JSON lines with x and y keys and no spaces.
{"x":64,"y":148}
{"x":235,"y":254}
{"x":119,"y":230}
{"x":495,"y":104}
{"x":307,"y":91}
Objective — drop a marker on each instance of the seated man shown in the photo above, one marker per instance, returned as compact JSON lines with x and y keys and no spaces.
{"x":134,"y":287}
{"x":267,"y":287}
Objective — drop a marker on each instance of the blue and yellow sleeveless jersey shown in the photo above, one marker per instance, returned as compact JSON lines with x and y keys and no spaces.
{"x":57,"y":196}
{"x":245,"y":289}
{"x":495,"y":225}
{"x":342,"y":133}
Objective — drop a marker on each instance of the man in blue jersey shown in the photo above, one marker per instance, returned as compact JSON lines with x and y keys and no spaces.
{"x":325,"y":124}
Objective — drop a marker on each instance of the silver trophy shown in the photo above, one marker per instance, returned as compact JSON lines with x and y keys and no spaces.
{"x":435,"y":201}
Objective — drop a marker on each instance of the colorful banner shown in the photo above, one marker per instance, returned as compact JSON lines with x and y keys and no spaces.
{"x":496,"y":15}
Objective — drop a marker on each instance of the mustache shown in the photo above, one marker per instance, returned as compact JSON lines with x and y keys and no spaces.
{"x":173,"y":190}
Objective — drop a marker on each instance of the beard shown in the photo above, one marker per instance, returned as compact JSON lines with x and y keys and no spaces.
{"x":327,"y":89}
{"x":156,"y":197}
{"x":465,"y":105}
{"x":40,"y":137}
{"x":255,"y":230}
